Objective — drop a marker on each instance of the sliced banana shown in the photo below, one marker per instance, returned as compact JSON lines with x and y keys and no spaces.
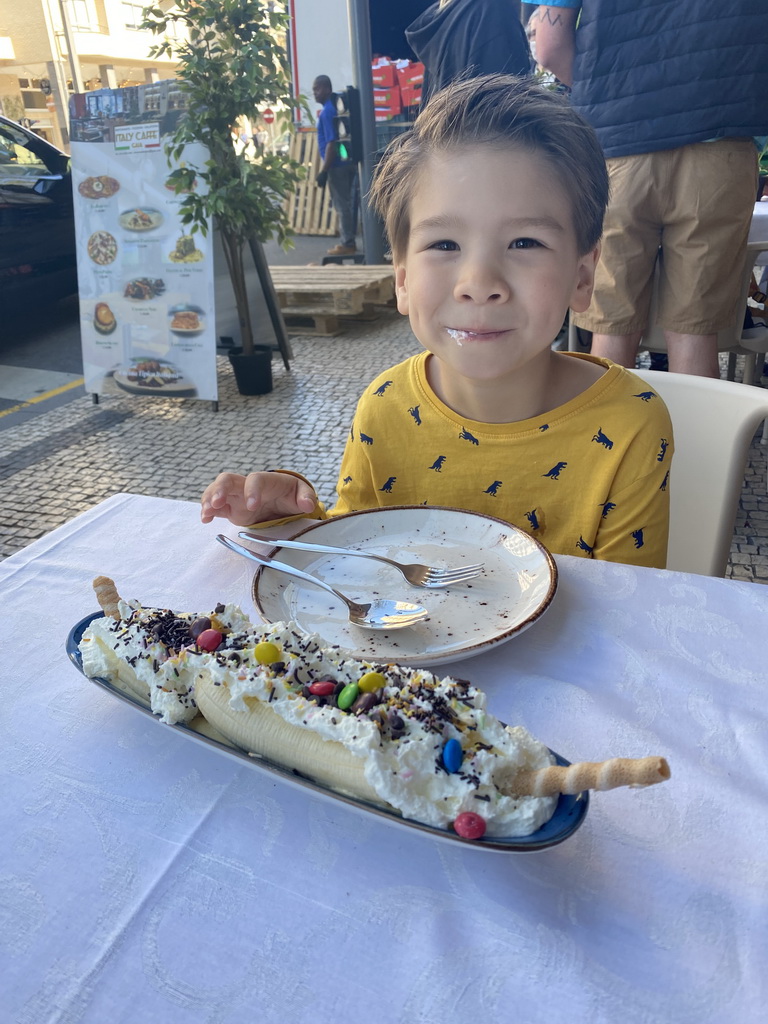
{"x":259,"y":730}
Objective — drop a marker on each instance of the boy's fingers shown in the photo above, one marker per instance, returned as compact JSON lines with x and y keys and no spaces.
{"x":305,"y":497}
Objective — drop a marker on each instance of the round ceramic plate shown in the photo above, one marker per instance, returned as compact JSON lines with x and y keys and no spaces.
{"x":517,"y":585}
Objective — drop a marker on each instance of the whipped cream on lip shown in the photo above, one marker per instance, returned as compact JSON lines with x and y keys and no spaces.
{"x":460,"y":335}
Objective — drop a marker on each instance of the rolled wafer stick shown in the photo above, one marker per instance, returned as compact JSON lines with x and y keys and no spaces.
{"x":619,"y":771}
{"x":107,"y":596}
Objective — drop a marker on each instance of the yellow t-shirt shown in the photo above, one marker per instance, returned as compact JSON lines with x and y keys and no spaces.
{"x":588,"y":478}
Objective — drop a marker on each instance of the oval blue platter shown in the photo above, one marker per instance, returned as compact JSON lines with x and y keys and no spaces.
{"x":568,"y":815}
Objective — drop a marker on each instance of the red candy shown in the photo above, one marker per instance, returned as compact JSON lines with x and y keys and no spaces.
{"x":322,"y":688}
{"x":209,"y":639}
{"x":469,"y":825}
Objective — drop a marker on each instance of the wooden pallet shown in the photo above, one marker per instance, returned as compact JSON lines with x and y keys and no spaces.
{"x":319,"y":325}
{"x":331,"y":292}
{"x":309,"y":207}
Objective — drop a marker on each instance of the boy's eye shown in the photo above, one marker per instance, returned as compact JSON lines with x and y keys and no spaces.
{"x":445,"y":245}
{"x":524,"y":243}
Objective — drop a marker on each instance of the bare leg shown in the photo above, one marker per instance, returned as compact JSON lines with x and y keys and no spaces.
{"x":619,"y":348}
{"x":693,"y":353}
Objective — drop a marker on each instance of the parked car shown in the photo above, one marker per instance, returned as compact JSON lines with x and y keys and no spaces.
{"x":37,"y":227}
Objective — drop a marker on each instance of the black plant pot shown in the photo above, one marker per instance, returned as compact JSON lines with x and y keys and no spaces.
{"x":253,"y":373}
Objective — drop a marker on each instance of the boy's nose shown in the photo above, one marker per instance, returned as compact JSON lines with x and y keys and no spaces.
{"x":481,"y":283}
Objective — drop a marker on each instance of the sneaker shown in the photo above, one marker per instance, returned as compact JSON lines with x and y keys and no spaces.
{"x":342,"y":250}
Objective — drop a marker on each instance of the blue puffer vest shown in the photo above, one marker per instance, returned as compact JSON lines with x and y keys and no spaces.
{"x":657,"y":74}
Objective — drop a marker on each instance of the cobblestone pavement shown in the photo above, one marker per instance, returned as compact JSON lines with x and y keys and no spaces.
{"x":66,"y":460}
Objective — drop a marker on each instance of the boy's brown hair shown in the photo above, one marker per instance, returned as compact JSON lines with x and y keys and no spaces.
{"x":500,"y":111}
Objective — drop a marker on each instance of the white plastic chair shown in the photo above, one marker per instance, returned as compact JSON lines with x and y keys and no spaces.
{"x":714,"y":422}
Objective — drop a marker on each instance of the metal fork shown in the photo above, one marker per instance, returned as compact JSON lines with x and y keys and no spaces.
{"x":379,"y":614}
{"x":430,"y":577}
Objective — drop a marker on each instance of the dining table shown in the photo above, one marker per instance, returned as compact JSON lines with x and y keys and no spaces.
{"x":146,"y":878}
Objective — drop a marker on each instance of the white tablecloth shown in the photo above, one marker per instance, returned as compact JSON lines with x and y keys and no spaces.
{"x":144,"y":879}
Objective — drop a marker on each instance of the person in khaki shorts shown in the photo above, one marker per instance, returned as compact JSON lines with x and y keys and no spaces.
{"x":676,"y":92}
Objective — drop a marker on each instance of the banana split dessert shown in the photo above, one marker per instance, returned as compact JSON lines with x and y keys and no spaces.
{"x":397,"y":737}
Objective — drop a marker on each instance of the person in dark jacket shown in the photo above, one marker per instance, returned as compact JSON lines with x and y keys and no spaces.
{"x":455,"y":38}
{"x":676,"y":92}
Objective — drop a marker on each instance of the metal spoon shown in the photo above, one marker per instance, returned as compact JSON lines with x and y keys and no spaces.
{"x":379,"y":614}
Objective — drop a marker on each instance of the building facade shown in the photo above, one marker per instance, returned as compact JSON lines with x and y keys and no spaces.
{"x":50,"y":49}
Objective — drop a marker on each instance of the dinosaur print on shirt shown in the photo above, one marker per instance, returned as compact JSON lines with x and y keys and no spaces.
{"x":554,"y":473}
{"x":601,"y":438}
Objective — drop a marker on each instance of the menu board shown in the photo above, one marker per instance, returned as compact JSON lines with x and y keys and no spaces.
{"x":146,"y":283}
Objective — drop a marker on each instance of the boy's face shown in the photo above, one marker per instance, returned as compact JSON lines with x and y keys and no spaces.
{"x":492,"y":262}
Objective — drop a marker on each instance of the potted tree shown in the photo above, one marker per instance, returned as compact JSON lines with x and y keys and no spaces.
{"x":232,"y":63}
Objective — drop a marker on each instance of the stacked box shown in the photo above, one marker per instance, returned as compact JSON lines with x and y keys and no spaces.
{"x":386,"y":102}
{"x":410,"y":95}
{"x":383,"y":75}
{"x":410,"y":79}
{"x":412,"y":75}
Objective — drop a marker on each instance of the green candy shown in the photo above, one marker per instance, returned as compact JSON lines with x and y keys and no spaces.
{"x":348,"y":696}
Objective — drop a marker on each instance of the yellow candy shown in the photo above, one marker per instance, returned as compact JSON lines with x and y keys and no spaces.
{"x":266,"y":653}
{"x":371,"y":682}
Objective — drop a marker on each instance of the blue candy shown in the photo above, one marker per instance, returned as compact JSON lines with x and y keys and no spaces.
{"x":453,"y":755}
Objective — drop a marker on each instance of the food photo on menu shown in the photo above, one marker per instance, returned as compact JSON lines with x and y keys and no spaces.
{"x":140,"y":220}
{"x":186,"y":251}
{"x":99,"y":187}
{"x":186,"y":319}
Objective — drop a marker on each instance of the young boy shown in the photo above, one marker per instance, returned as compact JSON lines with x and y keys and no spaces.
{"x":493,"y":206}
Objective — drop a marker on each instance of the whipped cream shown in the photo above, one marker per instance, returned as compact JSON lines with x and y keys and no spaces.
{"x":399,"y":734}
{"x":401,"y":738}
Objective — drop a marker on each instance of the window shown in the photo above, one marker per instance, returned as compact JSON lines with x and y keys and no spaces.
{"x":33,"y":99}
{"x":133,"y":13}
{"x":82,"y":16}
{"x":19,"y":168}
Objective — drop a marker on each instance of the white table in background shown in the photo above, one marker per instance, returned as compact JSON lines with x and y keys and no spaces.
{"x":145,"y":879}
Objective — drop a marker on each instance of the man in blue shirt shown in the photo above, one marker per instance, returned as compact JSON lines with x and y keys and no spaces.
{"x":339,"y":174}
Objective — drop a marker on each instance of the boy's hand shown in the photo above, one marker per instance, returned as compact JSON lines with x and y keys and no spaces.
{"x":256,"y":498}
